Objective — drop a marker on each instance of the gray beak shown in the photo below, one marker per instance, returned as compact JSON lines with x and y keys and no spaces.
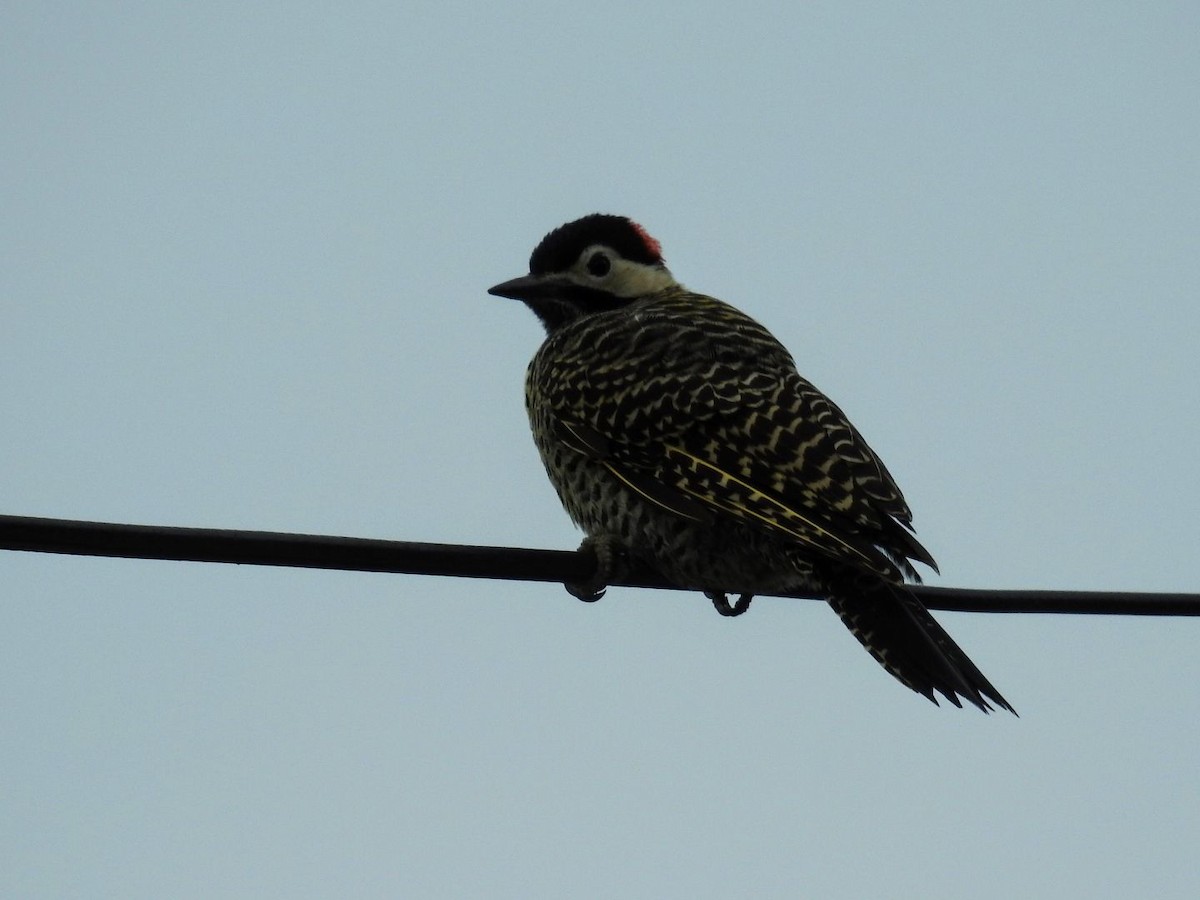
{"x":527,"y":287}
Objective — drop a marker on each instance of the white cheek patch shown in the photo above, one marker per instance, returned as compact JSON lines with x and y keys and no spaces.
{"x":629,"y":279}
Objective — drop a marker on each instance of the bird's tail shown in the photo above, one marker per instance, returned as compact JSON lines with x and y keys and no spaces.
{"x":899,"y":632}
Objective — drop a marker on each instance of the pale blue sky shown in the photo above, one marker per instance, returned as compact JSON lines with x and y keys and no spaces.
{"x":243,"y":261}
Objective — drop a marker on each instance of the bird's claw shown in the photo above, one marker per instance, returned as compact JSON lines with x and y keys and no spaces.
{"x":585,"y":592}
{"x":611,"y":564}
{"x":722,"y":605}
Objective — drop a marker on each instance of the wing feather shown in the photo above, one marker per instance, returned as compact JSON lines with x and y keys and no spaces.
{"x":700,"y":410}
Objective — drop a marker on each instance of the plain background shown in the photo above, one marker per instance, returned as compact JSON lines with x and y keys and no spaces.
{"x":244,"y":251}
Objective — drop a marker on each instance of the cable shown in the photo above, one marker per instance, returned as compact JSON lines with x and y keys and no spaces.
{"x":266,"y":548}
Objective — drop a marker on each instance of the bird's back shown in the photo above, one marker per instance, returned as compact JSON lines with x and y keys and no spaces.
{"x":690,"y":395}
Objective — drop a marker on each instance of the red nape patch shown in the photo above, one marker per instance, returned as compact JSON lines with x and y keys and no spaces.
{"x":652,"y":244}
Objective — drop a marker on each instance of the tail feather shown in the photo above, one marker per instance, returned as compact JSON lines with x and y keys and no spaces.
{"x":904,"y":638}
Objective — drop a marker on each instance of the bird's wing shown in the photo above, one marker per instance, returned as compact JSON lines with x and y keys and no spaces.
{"x":701,"y":411}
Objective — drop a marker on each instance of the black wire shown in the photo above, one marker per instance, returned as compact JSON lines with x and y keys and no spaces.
{"x":265,"y":548}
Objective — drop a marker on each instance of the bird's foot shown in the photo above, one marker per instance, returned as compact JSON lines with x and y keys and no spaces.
{"x":612,"y":561}
{"x":722,"y":605}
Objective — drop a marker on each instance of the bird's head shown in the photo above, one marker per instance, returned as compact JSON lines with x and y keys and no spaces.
{"x":594,"y":264}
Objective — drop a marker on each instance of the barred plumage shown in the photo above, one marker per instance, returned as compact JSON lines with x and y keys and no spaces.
{"x":676,"y":429}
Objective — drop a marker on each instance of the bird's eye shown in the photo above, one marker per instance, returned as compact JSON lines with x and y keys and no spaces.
{"x":599,"y":265}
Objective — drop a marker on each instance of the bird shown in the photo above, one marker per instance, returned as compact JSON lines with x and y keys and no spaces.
{"x":679,"y":434}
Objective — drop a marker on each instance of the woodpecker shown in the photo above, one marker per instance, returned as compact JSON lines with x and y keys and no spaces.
{"x":678,"y":433}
